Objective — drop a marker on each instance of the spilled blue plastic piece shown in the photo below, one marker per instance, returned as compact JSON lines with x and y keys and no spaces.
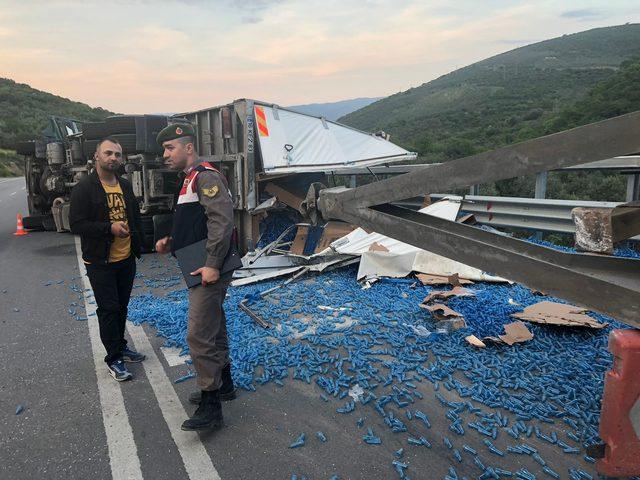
{"x":184,"y":378}
{"x":299,"y":442}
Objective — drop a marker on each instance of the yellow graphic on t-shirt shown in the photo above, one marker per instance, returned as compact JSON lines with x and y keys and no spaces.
{"x":121,"y":247}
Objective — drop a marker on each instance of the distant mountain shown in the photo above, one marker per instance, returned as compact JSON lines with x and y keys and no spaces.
{"x":24,"y":111}
{"x":506,"y":98}
{"x":334,"y":110}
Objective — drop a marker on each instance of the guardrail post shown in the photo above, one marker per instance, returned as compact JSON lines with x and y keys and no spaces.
{"x":541,"y":191}
{"x":633,"y":187}
{"x":474,"y":190}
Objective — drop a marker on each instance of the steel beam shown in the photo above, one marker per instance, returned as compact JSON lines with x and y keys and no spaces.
{"x":597,"y":141}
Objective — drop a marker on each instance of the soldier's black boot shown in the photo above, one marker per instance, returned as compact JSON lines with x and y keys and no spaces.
{"x":208,"y":414}
{"x":227,"y":389}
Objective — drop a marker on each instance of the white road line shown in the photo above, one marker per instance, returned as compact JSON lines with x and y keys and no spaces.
{"x":172,"y":356}
{"x":123,"y":454}
{"x":11,"y":179}
{"x":195,"y":457}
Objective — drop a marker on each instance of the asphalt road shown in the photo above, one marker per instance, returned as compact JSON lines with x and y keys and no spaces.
{"x":78,"y":423}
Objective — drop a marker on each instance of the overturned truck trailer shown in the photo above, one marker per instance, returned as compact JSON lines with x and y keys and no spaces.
{"x":265,"y":151}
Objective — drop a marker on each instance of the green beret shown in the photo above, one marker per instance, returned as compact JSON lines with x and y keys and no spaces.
{"x":175,"y":130}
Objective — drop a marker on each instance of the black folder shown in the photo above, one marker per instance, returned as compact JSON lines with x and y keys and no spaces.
{"x":192,"y":257}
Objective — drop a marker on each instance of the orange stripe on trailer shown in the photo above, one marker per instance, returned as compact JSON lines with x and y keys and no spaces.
{"x":260,"y":113}
{"x":261,"y":119}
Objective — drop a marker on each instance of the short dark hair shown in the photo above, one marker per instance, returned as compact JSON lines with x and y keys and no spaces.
{"x":107,"y":139}
{"x":188,"y":139}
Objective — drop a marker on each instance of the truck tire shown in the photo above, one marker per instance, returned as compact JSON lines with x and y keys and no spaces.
{"x":49,"y":224}
{"x":89,"y":148}
{"x":26,"y":148}
{"x":119,"y":124}
{"x":127,"y":142}
{"x":94,"y":130}
{"x":33,"y":222}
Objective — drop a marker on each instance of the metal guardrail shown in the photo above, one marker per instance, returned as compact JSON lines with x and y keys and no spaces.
{"x":630,"y":163}
{"x":515,"y":212}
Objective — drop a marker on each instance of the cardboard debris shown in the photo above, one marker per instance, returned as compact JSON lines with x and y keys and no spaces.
{"x":454,"y":292}
{"x":333,"y":230}
{"x":551,"y":313}
{"x":285,"y":196}
{"x":475,"y":341}
{"x":469,"y":219}
{"x":441,"y":312}
{"x":516,"y":332}
{"x":300,"y":240}
{"x":454,"y":280}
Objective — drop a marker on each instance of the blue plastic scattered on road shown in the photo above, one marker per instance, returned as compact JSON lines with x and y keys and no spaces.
{"x":19,"y":409}
{"x":553,"y":382}
{"x":186,"y":377}
{"x":299,"y":442}
{"x":321,"y":436}
{"x":370,"y":438}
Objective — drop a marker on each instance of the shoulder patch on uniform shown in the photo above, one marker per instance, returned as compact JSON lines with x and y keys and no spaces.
{"x":210,"y":192}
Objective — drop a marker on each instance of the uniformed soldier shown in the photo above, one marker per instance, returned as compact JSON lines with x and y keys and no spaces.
{"x":204,"y":209}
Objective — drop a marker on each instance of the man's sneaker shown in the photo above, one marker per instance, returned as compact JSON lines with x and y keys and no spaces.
{"x":119,"y":371}
{"x":132,"y":356}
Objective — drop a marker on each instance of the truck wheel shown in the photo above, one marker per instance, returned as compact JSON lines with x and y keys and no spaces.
{"x":127,"y":142}
{"x":49,"y":224}
{"x":94,"y":130}
{"x":119,"y":124}
{"x":33,"y":222}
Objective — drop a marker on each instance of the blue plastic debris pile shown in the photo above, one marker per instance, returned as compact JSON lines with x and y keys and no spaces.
{"x":534,"y":405}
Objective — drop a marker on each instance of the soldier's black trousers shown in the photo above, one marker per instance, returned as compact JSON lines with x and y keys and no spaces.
{"x":112,"y":284}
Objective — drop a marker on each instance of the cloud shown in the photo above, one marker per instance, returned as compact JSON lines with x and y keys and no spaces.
{"x":252,"y":10}
{"x":583,"y":14}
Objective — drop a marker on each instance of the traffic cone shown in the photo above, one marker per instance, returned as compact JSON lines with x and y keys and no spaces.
{"x":20,"y":228}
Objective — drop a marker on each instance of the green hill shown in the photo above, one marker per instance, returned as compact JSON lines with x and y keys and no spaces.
{"x":24,"y":111}
{"x":507,"y":98}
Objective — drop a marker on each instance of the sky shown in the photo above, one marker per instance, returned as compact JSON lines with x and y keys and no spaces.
{"x":153,"y":56}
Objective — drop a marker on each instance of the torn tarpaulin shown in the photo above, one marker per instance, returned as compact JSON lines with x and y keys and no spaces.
{"x":401,"y":259}
{"x":552,"y":313}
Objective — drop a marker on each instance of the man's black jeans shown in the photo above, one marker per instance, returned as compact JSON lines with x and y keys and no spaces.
{"x":112,"y":284}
